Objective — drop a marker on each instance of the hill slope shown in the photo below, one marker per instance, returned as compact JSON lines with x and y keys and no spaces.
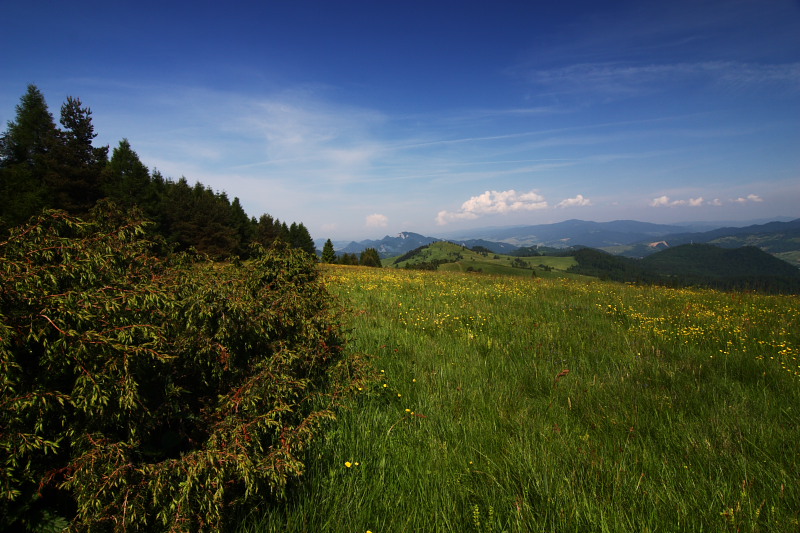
{"x":444,"y":255}
{"x":781,"y":239}
{"x":696,"y":264}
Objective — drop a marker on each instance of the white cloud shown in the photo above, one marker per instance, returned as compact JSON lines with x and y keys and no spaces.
{"x":578,"y":201}
{"x":665,"y":201}
{"x":377,"y":221}
{"x":695,"y":202}
{"x":494,"y":202}
{"x":660,"y":201}
{"x":749,"y":198}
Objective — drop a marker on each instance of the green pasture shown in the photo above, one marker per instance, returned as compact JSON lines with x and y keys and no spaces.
{"x":456,"y":258}
{"x":541,"y":404}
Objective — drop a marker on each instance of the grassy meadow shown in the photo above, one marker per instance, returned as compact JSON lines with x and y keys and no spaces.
{"x":456,"y":258}
{"x":544,"y":404}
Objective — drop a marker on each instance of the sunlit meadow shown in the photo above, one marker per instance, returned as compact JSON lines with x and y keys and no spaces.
{"x":530,"y":404}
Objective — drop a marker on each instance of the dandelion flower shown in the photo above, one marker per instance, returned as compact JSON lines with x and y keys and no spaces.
{"x":408,"y":410}
{"x":348,"y":464}
{"x":385,"y":385}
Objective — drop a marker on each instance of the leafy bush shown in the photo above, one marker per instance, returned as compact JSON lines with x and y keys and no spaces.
{"x":138,"y":392}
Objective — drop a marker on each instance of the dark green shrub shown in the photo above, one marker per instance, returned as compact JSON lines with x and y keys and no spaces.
{"x":143,"y":393}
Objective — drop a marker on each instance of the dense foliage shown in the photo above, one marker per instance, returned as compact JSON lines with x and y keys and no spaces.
{"x":141,"y":392}
{"x":44,"y":167}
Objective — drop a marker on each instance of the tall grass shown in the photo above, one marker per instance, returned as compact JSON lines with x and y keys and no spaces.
{"x":510,"y":404}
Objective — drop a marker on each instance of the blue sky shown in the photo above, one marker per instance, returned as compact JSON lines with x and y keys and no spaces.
{"x":362,"y":119}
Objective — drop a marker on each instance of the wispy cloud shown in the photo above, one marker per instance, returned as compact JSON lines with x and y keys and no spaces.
{"x":627,"y":79}
{"x":666,"y":201}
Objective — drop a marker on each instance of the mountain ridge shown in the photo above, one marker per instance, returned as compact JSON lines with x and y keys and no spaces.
{"x":629,"y":238}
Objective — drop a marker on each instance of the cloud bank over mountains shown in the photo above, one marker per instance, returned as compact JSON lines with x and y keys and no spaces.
{"x":666,"y":201}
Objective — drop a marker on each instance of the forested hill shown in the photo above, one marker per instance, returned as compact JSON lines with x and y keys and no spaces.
{"x":43,"y":166}
{"x":746,"y":268}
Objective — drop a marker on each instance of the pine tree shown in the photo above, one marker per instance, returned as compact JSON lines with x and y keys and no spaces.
{"x":328,"y":253}
{"x":76,"y":186}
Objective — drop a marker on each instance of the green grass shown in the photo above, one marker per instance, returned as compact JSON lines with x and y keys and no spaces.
{"x":680,"y":410}
{"x":457,"y":258}
{"x":792,"y":258}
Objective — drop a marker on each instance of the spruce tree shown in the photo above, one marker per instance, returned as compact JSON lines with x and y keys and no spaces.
{"x":370,"y":258}
{"x":267,"y":230}
{"x":328,"y":253}
{"x":27,"y":160}
{"x":244,"y":227}
{"x":299,"y":237}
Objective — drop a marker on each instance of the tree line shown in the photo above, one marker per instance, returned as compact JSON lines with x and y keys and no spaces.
{"x":43,"y":166}
{"x":368,"y":257}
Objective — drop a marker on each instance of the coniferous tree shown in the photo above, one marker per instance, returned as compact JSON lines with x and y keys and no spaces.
{"x":328,"y":253}
{"x":244,"y":227}
{"x":76,"y":185}
{"x":267,"y":230}
{"x":126,"y":180}
{"x":283,"y":231}
{"x":299,"y":237}
{"x":27,"y":160}
{"x":217,"y":236}
{"x":348,"y":259}
{"x":370,"y":258}
{"x":177,"y":207}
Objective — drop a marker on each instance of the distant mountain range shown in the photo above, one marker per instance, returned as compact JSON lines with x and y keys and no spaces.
{"x":580,"y":233}
{"x":390,"y":246}
{"x":406,"y":241}
{"x":622,"y":237}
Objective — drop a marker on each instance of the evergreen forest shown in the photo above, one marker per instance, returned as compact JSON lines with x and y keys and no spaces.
{"x":48,"y":166}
